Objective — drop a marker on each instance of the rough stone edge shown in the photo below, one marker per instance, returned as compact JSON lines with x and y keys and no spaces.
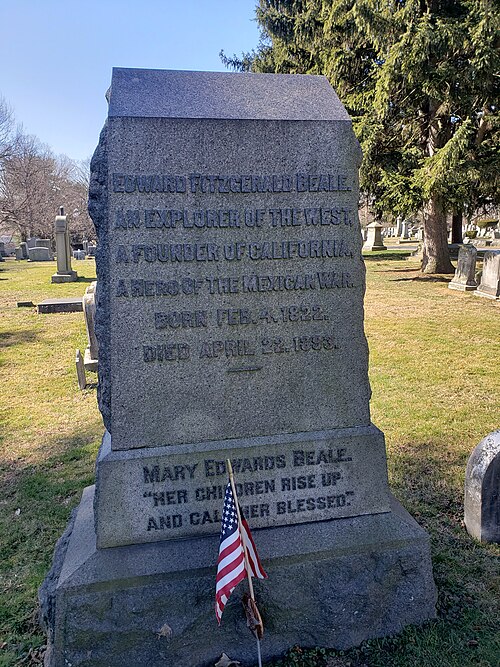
{"x":48,"y":590}
{"x":98,"y":211}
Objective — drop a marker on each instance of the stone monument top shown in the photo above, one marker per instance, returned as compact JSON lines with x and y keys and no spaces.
{"x":233,"y":252}
{"x":150,"y":93}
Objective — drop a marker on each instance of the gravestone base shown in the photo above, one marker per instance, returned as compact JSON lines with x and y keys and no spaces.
{"x":139,"y":498}
{"x":461,"y":287}
{"x":487,"y":293}
{"x":70,"y":277}
{"x":89,"y":363}
{"x":331,"y":583}
{"x":373,"y":248}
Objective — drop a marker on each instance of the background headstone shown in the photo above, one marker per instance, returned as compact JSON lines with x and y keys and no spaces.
{"x":405,"y":227}
{"x":464,"y":278}
{"x":40,"y":254}
{"x":91,"y":354}
{"x":66,"y":305}
{"x":230,"y":325}
{"x":482,"y":490}
{"x":374,"y":237}
{"x":64,"y":273}
{"x":24,"y":249}
{"x":80,"y":370}
{"x":490,"y":278}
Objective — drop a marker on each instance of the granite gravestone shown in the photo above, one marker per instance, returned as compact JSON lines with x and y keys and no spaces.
{"x":230,"y":325}
{"x":482,"y":490}
{"x":465,"y":273}
{"x":43,"y":243}
{"x":40,"y":254}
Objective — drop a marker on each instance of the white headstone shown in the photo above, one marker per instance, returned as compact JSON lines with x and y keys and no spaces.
{"x":490,"y":278}
{"x":64,"y":272}
{"x":464,"y":278}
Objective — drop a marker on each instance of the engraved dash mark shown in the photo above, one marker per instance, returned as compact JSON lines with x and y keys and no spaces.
{"x":244,"y":369}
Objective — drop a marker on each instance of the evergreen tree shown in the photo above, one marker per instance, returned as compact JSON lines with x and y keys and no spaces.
{"x":420,"y":79}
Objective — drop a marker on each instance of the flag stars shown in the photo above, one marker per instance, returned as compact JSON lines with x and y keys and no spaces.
{"x":232,"y":554}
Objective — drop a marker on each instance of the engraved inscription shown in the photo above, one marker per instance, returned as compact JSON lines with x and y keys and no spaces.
{"x":213,"y":252}
{"x":223,"y":184}
{"x":184,"y":247}
{"x":302,"y":484}
{"x":170,"y":218}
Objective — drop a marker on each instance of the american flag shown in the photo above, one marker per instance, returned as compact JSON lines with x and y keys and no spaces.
{"x":231,"y":563}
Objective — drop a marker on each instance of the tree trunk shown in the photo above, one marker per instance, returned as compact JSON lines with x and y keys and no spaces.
{"x":456,"y":227}
{"x":436,"y":257}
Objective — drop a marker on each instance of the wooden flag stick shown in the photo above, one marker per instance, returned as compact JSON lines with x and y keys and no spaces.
{"x":245,"y":554}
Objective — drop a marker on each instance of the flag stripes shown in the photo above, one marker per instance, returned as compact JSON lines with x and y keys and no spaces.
{"x":253,"y":557}
{"x":231,"y":561}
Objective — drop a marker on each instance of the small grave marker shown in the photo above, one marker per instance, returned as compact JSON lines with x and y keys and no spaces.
{"x":490,"y":278}
{"x":464,"y":278}
{"x":482,"y":490}
{"x":80,"y":370}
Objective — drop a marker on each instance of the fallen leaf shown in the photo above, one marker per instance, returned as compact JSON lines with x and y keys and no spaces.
{"x":165,"y":631}
{"x":225,"y":661}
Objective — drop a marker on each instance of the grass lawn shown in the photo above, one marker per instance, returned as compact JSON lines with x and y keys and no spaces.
{"x":434,"y":369}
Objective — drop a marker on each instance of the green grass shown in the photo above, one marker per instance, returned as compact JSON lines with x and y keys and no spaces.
{"x":434,"y":372}
{"x":49,"y":436}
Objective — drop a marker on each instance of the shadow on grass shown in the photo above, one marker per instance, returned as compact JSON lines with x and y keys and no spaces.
{"x":423,"y":279}
{"x":427,"y":478}
{"x":407,"y":270}
{"x":386,"y":256}
{"x":37,"y":500}
{"x":16,"y":476}
{"x":82,"y":279}
{"x":11,"y":338}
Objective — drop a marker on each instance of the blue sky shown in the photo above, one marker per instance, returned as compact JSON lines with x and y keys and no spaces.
{"x":56,"y":55}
